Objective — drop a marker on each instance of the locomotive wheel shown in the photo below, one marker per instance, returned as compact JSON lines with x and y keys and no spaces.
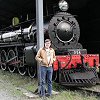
{"x":55,"y":76}
{"x":11,"y":67}
{"x":31,"y":71}
{"x":3,"y":60}
{"x":22,"y":68}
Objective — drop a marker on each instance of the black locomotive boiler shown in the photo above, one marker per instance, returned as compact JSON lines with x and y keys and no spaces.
{"x":18,"y":49}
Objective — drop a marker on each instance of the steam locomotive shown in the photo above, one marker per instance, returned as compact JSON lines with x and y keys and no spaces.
{"x":73,"y":67}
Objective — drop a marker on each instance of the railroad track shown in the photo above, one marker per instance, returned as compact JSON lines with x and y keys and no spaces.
{"x":89,"y":91}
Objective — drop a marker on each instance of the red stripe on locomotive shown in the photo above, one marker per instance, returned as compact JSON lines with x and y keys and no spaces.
{"x":76,"y":59}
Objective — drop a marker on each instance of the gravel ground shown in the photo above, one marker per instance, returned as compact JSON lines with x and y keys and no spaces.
{"x":9,"y":84}
{"x":7,"y":92}
{"x":5,"y":95}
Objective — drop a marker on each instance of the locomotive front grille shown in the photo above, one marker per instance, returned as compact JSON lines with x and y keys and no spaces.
{"x":78,"y":77}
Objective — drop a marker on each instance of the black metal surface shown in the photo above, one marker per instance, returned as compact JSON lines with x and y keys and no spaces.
{"x":32,"y":71}
{"x":64,"y":30}
{"x":3,"y":59}
{"x":77,"y":51}
{"x":78,"y":77}
{"x":11,"y":55}
{"x":29,"y":55}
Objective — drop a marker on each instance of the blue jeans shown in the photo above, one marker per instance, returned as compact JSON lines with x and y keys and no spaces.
{"x":42,"y":80}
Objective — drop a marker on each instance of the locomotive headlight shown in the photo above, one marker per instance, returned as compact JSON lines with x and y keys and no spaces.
{"x":63,"y":5}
